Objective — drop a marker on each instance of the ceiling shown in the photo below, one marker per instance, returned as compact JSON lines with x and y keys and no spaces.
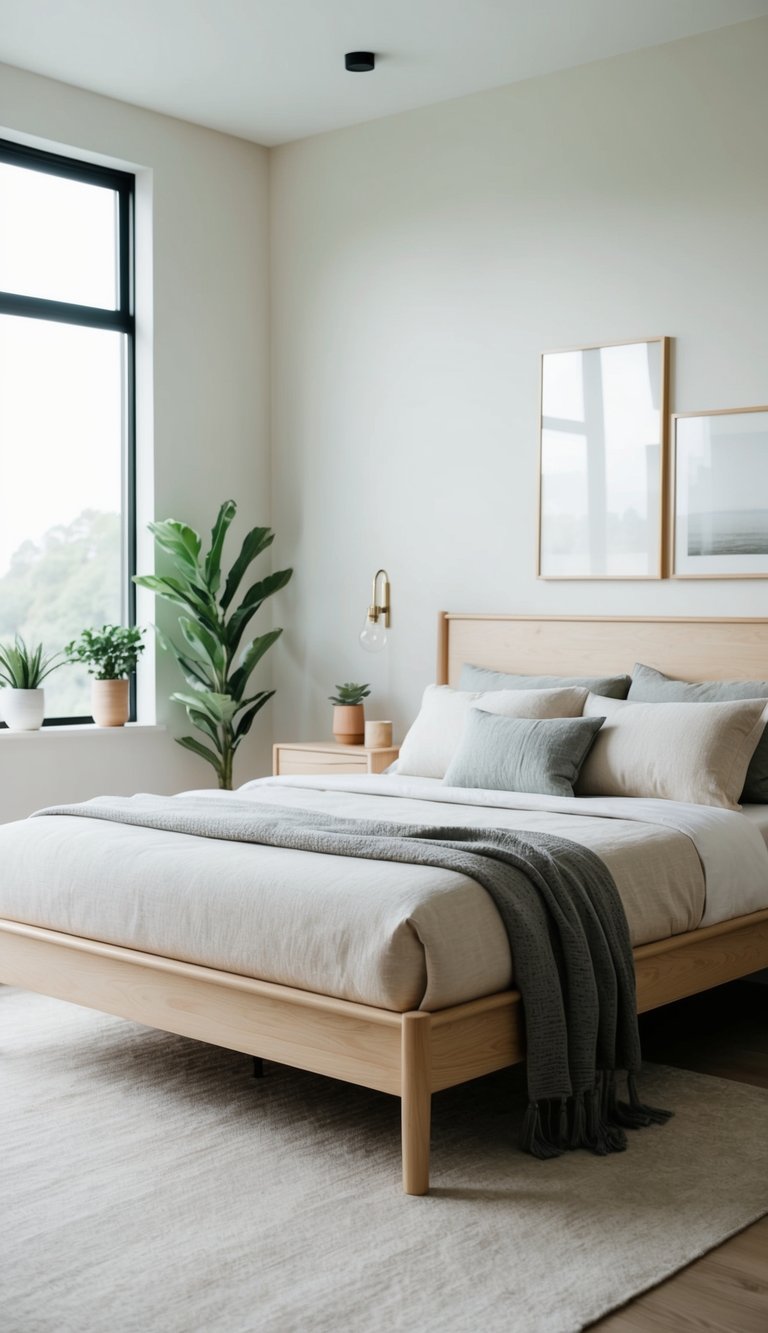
{"x":273,"y":70}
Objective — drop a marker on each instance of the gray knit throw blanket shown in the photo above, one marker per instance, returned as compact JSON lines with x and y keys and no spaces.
{"x":567,"y":930}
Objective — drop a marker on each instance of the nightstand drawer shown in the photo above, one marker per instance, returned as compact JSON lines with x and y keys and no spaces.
{"x":309,"y":761}
{"x":291,"y":758}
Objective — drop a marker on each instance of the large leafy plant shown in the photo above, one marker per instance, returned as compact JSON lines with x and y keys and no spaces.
{"x":24,"y":668}
{"x":215,"y":661}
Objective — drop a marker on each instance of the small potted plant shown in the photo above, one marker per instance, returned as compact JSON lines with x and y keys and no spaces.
{"x":349,"y":713}
{"x":22,"y":672}
{"x":110,"y":654}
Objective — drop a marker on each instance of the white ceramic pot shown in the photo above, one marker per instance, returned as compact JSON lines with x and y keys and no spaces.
{"x":110,"y":704}
{"x":22,"y":710}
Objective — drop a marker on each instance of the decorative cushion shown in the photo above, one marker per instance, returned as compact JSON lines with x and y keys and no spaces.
{"x":516,"y":754}
{"x":431,"y":742}
{"x":568,"y":702}
{"x":651,"y":686}
{"x":480,"y":678}
{"x":679,"y":752}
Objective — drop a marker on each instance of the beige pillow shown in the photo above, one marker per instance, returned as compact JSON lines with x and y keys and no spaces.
{"x":679,"y":752}
{"x":433,"y":739}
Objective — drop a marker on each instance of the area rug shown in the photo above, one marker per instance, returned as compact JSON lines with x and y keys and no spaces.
{"x":148,"y":1184}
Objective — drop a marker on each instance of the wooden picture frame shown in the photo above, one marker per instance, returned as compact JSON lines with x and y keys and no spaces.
{"x":719,"y":464}
{"x":602,"y":486}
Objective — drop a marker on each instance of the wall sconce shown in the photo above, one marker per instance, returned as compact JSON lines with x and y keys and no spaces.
{"x":374,"y":632}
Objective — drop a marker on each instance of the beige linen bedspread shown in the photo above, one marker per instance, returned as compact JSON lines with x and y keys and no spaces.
{"x":394,"y":936}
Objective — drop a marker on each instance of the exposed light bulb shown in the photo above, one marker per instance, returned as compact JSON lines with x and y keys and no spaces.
{"x":373,"y":636}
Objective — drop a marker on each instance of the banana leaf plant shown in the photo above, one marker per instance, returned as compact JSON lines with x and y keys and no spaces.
{"x":216,"y":664}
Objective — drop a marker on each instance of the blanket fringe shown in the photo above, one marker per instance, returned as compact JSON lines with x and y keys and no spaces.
{"x":578,"y":1121}
{"x":594,"y":1119}
{"x":533,"y":1138}
{"x":645,"y":1114}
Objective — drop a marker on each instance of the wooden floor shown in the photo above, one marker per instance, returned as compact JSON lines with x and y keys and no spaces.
{"x":722,"y":1032}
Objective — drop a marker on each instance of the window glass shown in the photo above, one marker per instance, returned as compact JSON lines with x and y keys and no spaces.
{"x":67,"y":520}
{"x":60,"y":490}
{"x":58,"y":238}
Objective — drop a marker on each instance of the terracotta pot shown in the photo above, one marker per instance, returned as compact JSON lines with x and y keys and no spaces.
{"x":110,"y":705}
{"x":22,"y":710}
{"x":349,"y":723}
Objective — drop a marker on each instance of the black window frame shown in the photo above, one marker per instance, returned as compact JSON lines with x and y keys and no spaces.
{"x":122,"y":320}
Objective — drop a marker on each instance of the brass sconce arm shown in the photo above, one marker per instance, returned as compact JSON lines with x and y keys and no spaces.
{"x":373,"y":636}
{"x":380,"y":599}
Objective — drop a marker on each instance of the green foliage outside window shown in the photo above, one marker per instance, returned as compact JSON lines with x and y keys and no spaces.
{"x":54,"y":587}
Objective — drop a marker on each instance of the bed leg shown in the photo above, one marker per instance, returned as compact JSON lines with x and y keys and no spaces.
{"x":258,"y":1067}
{"x":416,"y":1101}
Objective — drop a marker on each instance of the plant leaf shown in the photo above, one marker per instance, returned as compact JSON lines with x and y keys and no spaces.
{"x":173,"y":590}
{"x":179,"y":540}
{"x":207,"y":604}
{"x":250,"y":604}
{"x":207,"y":646}
{"x":220,"y":708}
{"x":245,"y":721}
{"x":193,"y":671}
{"x":256,"y":541}
{"x":212,"y":566}
{"x":204,"y":723}
{"x":198,"y":748}
{"x":181,"y":593}
{"x":110,"y":653}
{"x":24,"y":668}
{"x":260,"y":694}
{"x":249,"y":658}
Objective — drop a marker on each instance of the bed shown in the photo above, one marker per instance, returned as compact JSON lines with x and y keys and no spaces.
{"x":408,"y":1040}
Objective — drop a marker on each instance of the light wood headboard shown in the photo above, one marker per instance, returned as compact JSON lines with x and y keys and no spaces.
{"x":690,"y":648}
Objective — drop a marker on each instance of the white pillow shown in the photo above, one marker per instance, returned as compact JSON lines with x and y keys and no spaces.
{"x":677,"y":751}
{"x":430,"y":744}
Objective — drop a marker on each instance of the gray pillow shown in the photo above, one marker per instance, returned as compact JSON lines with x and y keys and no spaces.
{"x":650,"y":686}
{"x":542,"y":755}
{"x":480,"y":678}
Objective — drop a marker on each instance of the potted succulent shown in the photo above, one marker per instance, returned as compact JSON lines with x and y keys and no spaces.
{"x":22,"y":672}
{"x":110,"y":654}
{"x":349,"y":713}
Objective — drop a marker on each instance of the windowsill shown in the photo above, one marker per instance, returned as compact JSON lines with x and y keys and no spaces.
{"x":78,"y":729}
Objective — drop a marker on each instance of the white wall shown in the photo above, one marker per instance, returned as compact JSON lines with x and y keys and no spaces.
{"x":202,"y":340}
{"x":419,"y":266}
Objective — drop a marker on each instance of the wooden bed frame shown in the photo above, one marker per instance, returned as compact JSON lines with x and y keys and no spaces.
{"x":412,"y":1055}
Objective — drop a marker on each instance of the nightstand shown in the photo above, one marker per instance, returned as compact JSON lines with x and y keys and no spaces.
{"x":329,"y":757}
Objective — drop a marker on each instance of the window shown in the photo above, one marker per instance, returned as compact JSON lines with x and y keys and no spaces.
{"x":67,"y":509}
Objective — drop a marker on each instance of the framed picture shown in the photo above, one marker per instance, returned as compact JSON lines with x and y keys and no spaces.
{"x":602,"y":461}
{"x":720,"y":505}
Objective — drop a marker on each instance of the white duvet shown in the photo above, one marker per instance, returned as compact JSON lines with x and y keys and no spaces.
{"x":730,"y":845}
{"x":399,"y":937}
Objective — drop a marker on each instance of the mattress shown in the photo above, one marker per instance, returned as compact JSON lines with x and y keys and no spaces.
{"x":394,"y":936}
{"x":757,"y":815}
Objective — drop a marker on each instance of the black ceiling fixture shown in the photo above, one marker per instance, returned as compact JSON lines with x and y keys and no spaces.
{"x":359,"y":62}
